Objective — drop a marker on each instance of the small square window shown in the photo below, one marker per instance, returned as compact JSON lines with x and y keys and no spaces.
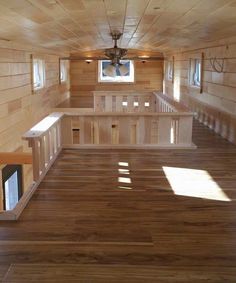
{"x":63,"y":71}
{"x":38,"y":73}
{"x":124,"y":103}
{"x":135,"y":104}
{"x":195,"y":72}
{"x":146,"y":104}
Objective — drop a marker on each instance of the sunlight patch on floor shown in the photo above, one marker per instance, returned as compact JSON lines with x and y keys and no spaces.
{"x":124,"y":188}
{"x":124,"y":180}
{"x":194,"y":183}
{"x":125,"y":164}
{"x":124,"y":171}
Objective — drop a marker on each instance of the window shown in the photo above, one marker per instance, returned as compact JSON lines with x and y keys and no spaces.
{"x":118,"y":78}
{"x":38,"y":73}
{"x":170,"y":71}
{"x":12,"y":185}
{"x":195,"y":72}
{"x":63,"y":71}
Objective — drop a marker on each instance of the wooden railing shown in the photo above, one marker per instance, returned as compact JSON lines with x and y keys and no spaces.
{"x":162,"y":123}
{"x":45,"y":141}
{"x":117,"y":101}
{"x":127,"y":130}
{"x":171,"y":127}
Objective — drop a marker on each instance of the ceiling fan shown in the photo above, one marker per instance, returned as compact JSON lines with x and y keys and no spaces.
{"x":115,"y":55}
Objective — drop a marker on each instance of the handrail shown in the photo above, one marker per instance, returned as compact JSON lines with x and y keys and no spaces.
{"x":118,"y":92}
{"x":129,"y":114}
{"x":171,"y":104}
{"x":43,"y":126}
{"x":15,"y":158}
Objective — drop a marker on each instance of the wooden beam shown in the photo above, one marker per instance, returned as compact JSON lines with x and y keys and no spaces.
{"x":76,"y":58}
{"x":15,"y":158}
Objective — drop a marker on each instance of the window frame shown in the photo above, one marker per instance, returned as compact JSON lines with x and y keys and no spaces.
{"x":41,"y":73}
{"x":195,"y":72}
{"x":170,"y":70}
{"x":131,"y":79}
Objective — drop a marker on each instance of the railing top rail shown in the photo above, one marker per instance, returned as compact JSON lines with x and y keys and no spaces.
{"x":122,"y":93}
{"x":176,"y":106}
{"x":43,"y":126}
{"x":15,"y":158}
{"x":127,"y":114}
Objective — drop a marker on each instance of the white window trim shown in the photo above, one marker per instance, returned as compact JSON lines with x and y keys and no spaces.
{"x":118,"y":79}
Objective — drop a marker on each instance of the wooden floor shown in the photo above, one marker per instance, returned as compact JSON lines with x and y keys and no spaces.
{"x":84,"y":224}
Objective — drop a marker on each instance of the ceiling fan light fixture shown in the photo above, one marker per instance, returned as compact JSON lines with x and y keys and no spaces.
{"x":110,"y":70}
{"x":123,"y":70}
{"x":115,"y":54}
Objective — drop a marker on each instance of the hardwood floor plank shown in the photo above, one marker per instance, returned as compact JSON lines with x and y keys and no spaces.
{"x":106,"y":273}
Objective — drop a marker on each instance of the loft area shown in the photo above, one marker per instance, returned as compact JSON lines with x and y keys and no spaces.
{"x":117,"y":140}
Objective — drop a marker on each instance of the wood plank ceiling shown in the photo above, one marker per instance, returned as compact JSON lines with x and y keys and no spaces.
{"x":81,"y":25}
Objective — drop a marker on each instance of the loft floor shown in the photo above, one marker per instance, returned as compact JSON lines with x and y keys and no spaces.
{"x":84,"y":224}
{"x":77,"y":102}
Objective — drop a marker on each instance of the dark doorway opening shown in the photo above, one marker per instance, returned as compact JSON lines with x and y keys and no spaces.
{"x":12,"y":185}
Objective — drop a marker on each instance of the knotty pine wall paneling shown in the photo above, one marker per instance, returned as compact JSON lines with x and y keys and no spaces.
{"x":216,"y":105}
{"x":20,"y":109}
{"x":84,"y":78}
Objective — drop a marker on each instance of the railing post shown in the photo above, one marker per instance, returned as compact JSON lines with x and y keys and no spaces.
{"x":164,"y":130}
{"x":36,"y":159}
{"x":185,"y":130}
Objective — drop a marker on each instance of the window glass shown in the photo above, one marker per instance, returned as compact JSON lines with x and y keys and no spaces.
{"x":63,"y":71}
{"x":39,"y":73}
{"x":195,"y":72}
{"x":170,"y":70}
{"x":122,"y":73}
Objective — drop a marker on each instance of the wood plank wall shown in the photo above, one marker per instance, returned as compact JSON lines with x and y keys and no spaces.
{"x":19,"y":108}
{"x":216,"y":106}
{"x":84,"y":78}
